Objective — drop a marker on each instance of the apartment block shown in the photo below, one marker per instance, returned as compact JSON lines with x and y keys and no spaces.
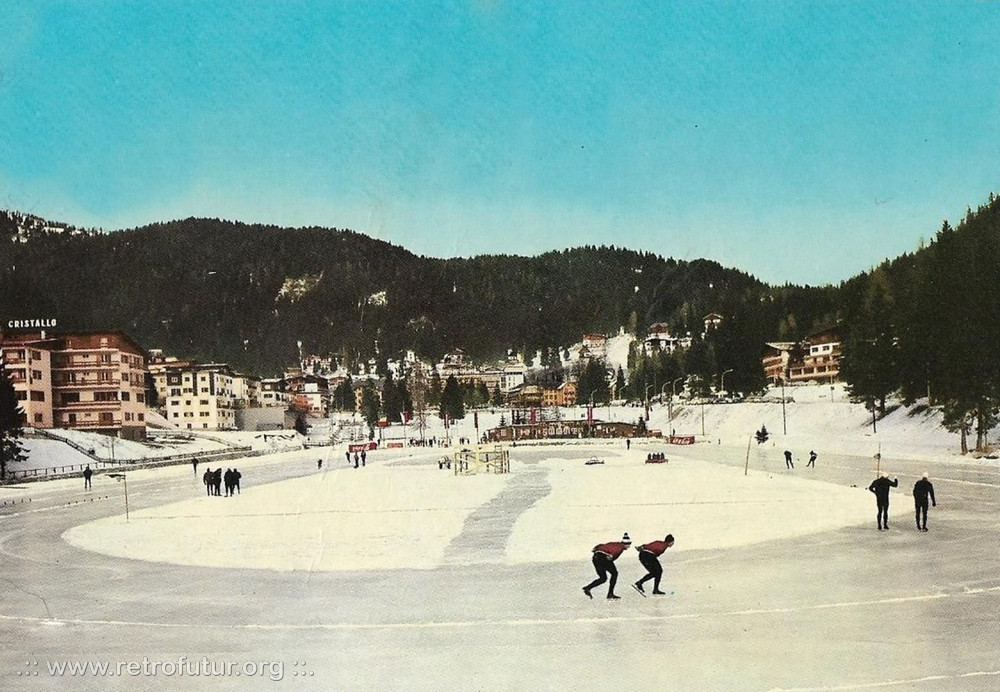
{"x":93,"y":381}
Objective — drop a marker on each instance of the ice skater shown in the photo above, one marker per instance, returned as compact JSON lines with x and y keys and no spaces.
{"x":880,"y":487}
{"x":921,"y":490}
{"x":649,"y":556}
{"x":236,"y":480}
{"x":355,"y":460}
{"x":604,"y":558}
{"x":227,"y":479}
{"x":87,"y":475}
{"x":788,"y":460}
{"x":348,"y":455}
{"x":812,"y":460}
{"x":319,"y":464}
{"x":194,"y":463}
{"x":217,"y":482}
{"x":207,"y":480}
{"x":364,"y":454}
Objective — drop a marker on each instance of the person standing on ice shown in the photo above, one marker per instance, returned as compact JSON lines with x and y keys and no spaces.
{"x":921,"y":490}
{"x":649,"y":556}
{"x":355,"y":460}
{"x":87,"y":474}
{"x":604,"y":558}
{"x":788,"y":460}
{"x":812,"y":459}
{"x":880,"y":487}
{"x":348,"y":455}
{"x":207,"y":480}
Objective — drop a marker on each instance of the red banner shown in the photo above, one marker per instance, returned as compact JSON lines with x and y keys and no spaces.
{"x":362,"y":447}
{"x":394,"y":445}
{"x":682,"y":439}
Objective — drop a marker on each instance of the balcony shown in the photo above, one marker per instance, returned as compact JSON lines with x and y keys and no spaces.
{"x":89,"y":424}
{"x":88,"y":365}
{"x":89,"y":383}
{"x":86,"y":405}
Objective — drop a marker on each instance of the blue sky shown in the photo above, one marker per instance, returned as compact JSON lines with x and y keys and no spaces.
{"x":798,"y":141}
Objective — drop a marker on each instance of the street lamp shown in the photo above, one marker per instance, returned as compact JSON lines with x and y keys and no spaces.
{"x":670,"y":403}
{"x":121,"y":477}
{"x":722,"y":381}
{"x":784,"y":423}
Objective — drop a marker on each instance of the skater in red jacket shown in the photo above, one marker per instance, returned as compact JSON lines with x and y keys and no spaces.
{"x":649,"y":556}
{"x":604,"y":558}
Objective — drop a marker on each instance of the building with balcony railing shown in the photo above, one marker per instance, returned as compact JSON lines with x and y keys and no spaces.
{"x":200,"y":396}
{"x":92,"y":381}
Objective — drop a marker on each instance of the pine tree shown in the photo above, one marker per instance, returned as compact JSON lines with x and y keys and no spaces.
{"x":452,"y":404}
{"x":11,"y":422}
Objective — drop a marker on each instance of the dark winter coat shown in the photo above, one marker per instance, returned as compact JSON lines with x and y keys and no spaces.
{"x":922,"y":489}
{"x":880,"y":486}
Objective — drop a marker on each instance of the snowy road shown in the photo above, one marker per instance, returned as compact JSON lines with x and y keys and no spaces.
{"x":844,"y":609}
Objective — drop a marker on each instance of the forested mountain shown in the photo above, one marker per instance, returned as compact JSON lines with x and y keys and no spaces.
{"x":927,"y":324}
{"x":246,"y":294}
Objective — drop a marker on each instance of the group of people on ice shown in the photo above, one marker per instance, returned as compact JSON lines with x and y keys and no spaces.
{"x":923,"y":490}
{"x":790,"y":465}
{"x":605,"y":554}
{"x":213,"y":481}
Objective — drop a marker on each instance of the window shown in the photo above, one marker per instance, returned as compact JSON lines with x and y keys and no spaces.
{"x":36,"y":375}
{"x":38,"y":396}
{"x":142,"y":416}
{"x":106,"y":417}
{"x":71,"y":398}
{"x":175,"y":392}
{"x":175,"y":402}
{"x":204,"y":390}
{"x":203,"y":402}
{"x":126,"y":396}
{"x":203,"y":414}
{"x":141,"y":398}
{"x":128,"y":416}
{"x":105,"y":357}
{"x":176,"y":415}
{"x":105,"y":396}
{"x":187,"y":402}
{"x":71,"y":418}
{"x":36,"y":355}
{"x":21,"y":395}
{"x":204,"y":425}
{"x":38,"y":418}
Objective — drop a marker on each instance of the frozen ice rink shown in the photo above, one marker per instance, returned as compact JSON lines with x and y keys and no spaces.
{"x":401,"y":576}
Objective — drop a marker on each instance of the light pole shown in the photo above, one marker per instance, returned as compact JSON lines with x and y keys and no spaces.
{"x":722,"y":381}
{"x":121,"y":477}
{"x":784,"y":423}
{"x":590,"y":411}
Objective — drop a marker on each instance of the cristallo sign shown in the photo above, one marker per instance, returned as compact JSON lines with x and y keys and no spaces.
{"x":31,"y":324}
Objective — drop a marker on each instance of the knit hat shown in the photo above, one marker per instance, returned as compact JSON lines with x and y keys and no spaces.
{"x":626,"y":539}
